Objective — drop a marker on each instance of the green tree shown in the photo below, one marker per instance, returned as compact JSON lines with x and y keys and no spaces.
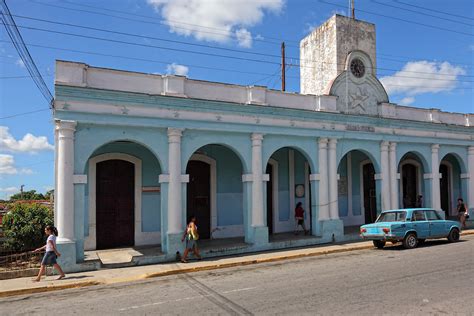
{"x":27,"y":195}
{"x":24,"y":225}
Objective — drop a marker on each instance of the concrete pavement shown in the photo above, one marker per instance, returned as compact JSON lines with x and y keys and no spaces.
{"x":113,"y":276}
{"x":434,"y":279}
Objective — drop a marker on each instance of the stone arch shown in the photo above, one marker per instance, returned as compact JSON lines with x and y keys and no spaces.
{"x":217,"y":197}
{"x":452,"y":186}
{"x":288,"y":167}
{"x":358,"y":194}
{"x":141,"y":159}
{"x":409,"y":191}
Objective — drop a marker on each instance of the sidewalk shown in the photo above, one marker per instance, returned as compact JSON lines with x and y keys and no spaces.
{"x":22,"y":286}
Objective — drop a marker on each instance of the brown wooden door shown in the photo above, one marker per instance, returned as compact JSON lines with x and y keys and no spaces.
{"x":199,"y":196}
{"x":445,"y":190}
{"x":410,"y":183}
{"x":115,"y":204}
{"x":269,"y":171}
{"x":370,"y":205}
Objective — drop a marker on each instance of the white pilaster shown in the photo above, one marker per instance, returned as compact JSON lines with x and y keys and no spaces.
{"x":384,"y":164}
{"x":435,"y":186}
{"x":470,"y":162}
{"x":393,"y":175}
{"x":323,"y":180}
{"x":332,"y":167}
{"x":65,"y":183}
{"x":174,"y":189}
{"x":257,"y":185}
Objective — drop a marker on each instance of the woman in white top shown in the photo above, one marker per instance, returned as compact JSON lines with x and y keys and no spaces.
{"x":51,"y":253}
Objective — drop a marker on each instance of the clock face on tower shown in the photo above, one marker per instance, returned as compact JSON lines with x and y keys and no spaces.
{"x":357,"y":68}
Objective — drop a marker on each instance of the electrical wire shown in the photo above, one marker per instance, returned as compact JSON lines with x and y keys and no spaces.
{"x":433,"y":10}
{"x":214,"y":54}
{"x":400,"y":19}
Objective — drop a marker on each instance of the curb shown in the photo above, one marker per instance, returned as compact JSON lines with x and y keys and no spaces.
{"x":53,"y":287}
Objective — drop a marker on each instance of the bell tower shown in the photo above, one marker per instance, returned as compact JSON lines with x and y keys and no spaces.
{"x":324,"y":52}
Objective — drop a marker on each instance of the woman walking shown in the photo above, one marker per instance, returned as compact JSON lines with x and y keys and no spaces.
{"x":299,"y":218}
{"x":462,"y":212}
{"x":191,"y":235}
{"x":51,"y":253}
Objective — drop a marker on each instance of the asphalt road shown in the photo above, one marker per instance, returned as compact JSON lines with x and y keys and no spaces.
{"x":436,"y":279}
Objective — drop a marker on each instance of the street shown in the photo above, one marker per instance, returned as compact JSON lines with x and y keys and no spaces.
{"x":436,"y":278}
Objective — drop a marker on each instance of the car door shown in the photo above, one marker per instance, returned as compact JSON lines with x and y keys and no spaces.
{"x":420,"y":224}
{"x":437,"y":224}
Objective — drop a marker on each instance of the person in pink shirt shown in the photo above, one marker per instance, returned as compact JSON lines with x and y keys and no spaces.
{"x":299,"y":218}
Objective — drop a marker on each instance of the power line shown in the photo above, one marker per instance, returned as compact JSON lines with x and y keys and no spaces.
{"x":433,"y":10}
{"x":400,"y":19}
{"x":213,"y":54}
{"x":422,"y":13}
{"x":224,"y":35}
{"x":174,"y":21}
{"x":147,"y":37}
{"x":278,"y":40}
{"x":148,"y":60}
{"x":22,"y":114}
{"x":22,"y":50}
{"x":19,"y":77}
{"x":195,"y":66}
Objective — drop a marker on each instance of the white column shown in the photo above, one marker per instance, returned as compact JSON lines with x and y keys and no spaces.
{"x":332,"y":168}
{"x":174,"y":188}
{"x":470,"y":188}
{"x":384,"y":164}
{"x":257,"y":184}
{"x":435,"y":186}
{"x":393,"y":175}
{"x":65,"y":184}
{"x":323,"y":180}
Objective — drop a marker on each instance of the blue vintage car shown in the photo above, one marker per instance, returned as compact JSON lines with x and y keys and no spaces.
{"x":411,"y":226}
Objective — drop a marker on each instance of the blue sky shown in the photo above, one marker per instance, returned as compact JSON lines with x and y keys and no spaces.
{"x":426,"y":56}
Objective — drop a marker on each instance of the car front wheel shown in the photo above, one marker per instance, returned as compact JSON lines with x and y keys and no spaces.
{"x":379,"y":243}
{"x":410,"y":241}
{"x":453,"y":235}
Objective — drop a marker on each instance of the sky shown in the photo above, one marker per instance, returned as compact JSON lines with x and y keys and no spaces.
{"x":425,"y":55}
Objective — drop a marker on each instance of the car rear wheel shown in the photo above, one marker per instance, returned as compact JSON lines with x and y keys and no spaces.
{"x":410,"y":241}
{"x":379,"y":243}
{"x":453,"y":235}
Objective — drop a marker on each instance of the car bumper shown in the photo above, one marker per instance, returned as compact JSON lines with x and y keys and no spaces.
{"x":382,"y":237}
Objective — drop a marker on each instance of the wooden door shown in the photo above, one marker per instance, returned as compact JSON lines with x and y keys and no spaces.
{"x":445,"y":190}
{"x":115,"y":203}
{"x":199,"y":196}
{"x":410,"y":184}
{"x":269,"y":171}
{"x":370,"y":205}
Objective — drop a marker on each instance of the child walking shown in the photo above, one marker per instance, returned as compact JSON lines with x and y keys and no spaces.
{"x":299,"y":218}
{"x":51,"y":253}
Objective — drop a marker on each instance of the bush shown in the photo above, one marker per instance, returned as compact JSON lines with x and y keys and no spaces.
{"x":24,"y":225}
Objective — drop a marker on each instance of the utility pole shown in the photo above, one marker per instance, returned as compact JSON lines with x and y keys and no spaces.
{"x":352,"y":9}
{"x":283,"y":66}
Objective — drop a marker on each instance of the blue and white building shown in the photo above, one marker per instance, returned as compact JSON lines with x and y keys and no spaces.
{"x":137,"y":153}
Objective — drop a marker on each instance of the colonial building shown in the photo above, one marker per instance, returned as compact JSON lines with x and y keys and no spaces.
{"x":137,"y":153}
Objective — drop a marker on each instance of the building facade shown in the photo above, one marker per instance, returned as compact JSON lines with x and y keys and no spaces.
{"x":136,"y":153}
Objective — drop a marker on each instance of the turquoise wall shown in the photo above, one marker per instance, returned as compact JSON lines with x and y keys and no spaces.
{"x":229,"y":184}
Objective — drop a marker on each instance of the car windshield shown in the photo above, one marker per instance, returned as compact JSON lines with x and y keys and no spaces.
{"x":392,"y":217}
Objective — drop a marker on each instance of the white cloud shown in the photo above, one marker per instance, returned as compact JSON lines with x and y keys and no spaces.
{"x":19,"y":62}
{"x":419,"y":77}
{"x":471,"y":47}
{"x":407,"y":101}
{"x":177,"y":69}
{"x":8,"y":191}
{"x":244,"y":38}
{"x":29,"y":144}
{"x":215,"y":20}
{"x":7,"y":166}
